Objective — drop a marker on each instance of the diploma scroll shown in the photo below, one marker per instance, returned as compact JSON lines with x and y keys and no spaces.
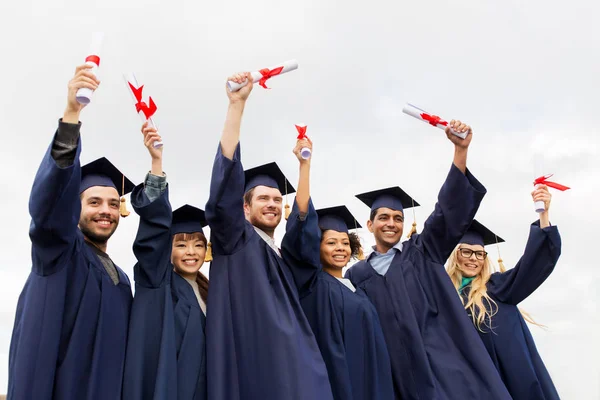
{"x":431,"y":119}
{"x":305,"y":151}
{"x":144,"y":110}
{"x":264,"y":74}
{"x":84,"y":95}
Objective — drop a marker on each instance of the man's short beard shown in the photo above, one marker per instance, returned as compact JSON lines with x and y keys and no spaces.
{"x":93,"y":237}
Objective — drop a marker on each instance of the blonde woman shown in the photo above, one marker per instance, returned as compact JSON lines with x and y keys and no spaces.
{"x":491,"y":300}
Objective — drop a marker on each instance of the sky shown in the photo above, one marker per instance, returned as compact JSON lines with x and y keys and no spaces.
{"x":522,"y":74}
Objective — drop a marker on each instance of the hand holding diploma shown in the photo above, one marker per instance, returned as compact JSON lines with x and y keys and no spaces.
{"x":145,"y":111}
{"x":241,"y":95}
{"x":261,"y":76}
{"x":431,"y":119}
{"x":151,"y":137}
{"x":305,"y":152}
{"x":302,"y":145}
{"x":83,"y":79}
{"x":543,"y":202}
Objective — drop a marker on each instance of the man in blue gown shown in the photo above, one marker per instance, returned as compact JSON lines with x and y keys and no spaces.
{"x":259,"y":343}
{"x":435,"y":351}
{"x":70,"y":329}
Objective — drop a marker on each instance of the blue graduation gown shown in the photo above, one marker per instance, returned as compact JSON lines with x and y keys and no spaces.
{"x":434,"y":349}
{"x":166,"y":355}
{"x":70,"y":329}
{"x":511,"y":345}
{"x":260,"y":345}
{"x":345,"y":323}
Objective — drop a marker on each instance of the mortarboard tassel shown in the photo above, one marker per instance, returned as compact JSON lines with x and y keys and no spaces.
{"x":413,"y":230}
{"x":287,"y":206}
{"x":500,"y":262}
{"x":208,"y":256}
{"x":123,"y":206}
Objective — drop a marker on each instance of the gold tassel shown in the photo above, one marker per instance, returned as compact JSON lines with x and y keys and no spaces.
{"x":287,"y":206}
{"x":413,"y":230}
{"x":500,"y":262}
{"x":123,"y":206}
{"x":208,"y":256}
{"x":287,"y":211}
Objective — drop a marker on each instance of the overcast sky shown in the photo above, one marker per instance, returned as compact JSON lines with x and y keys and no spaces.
{"x":523,"y":74}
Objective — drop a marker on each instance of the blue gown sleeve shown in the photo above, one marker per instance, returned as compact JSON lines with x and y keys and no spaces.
{"x":301,"y":246}
{"x":535,"y":266}
{"x":224,"y":210}
{"x":458,"y":201}
{"x":152,"y":245}
{"x":54,"y":206}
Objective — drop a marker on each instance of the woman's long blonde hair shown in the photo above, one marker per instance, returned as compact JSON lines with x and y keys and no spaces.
{"x":481,"y":306}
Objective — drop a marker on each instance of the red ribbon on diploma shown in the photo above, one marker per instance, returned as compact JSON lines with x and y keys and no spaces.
{"x":140,"y":105}
{"x":433,"y":119}
{"x":301,"y":132}
{"x":94,"y":59}
{"x":542,"y":181}
{"x":268,"y":74}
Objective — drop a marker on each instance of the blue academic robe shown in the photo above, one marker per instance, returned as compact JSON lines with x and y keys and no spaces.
{"x":510,"y":344}
{"x":166,"y":355}
{"x":70,"y":329}
{"x":345,"y":323}
{"x":434,"y":349}
{"x":260,"y":343}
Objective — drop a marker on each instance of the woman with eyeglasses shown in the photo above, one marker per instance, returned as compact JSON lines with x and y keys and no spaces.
{"x":491,"y":300}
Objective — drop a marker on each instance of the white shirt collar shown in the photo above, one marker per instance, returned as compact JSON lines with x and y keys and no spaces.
{"x":268,"y":239}
{"x":397,"y":246}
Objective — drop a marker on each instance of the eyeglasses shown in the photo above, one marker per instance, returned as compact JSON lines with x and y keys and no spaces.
{"x":467,"y":253}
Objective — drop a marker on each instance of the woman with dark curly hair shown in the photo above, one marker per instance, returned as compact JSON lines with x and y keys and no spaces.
{"x":341,"y":316}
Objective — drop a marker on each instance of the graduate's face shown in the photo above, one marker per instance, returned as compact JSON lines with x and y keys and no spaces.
{"x":335,"y":249}
{"x":99,"y":216}
{"x":264,"y":210}
{"x":469,"y":266}
{"x":387,"y":227}
{"x":187,"y":253}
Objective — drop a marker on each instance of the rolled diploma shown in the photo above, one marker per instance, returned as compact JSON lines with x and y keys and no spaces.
{"x":305,"y":151}
{"x":538,"y":170}
{"x":130,"y":78}
{"x":256,"y":75}
{"x":416,"y":113}
{"x":84,"y":95}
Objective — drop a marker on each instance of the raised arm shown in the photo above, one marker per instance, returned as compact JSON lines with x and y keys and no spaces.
{"x":537,"y":263}
{"x":152,"y":246}
{"x":54,"y":203}
{"x":225,"y":207}
{"x":458,"y":202}
{"x":302,"y":240}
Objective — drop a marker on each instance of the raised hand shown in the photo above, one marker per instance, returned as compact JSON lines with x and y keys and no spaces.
{"x":242,"y":94}
{"x":83,"y":78}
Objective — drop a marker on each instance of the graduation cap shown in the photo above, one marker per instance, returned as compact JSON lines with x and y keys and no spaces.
{"x":481,"y":235}
{"x":102,"y":172}
{"x":393,"y":198}
{"x":339,"y":219}
{"x":269,"y":175}
{"x":190,"y":219}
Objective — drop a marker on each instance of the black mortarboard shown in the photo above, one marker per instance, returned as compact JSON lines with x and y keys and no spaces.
{"x":479,"y":234}
{"x":339,"y":219}
{"x":392,"y":197}
{"x":267,"y":175}
{"x":188,"y":219}
{"x":102,"y":172}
